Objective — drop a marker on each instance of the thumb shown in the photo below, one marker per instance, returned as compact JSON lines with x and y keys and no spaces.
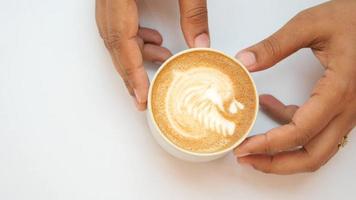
{"x":296,"y":34}
{"x":194,"y":22}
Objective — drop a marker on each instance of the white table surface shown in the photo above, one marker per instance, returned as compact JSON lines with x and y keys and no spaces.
{"x":68,"y":129}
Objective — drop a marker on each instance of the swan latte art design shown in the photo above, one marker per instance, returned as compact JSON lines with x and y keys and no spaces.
{"x":203,"y":101}
{"x":195,"y":103}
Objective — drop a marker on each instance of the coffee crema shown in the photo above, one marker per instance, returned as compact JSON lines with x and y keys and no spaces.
{"x":203,"y":101}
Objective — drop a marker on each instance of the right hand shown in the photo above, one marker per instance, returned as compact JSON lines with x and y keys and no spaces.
{"x":129,"y":44}
{"x":312,"y":133}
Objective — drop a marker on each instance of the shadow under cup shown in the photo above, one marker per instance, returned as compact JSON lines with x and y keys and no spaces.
{"x":190,"y":59}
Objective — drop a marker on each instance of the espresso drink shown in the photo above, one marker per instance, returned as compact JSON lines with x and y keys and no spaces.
{"x":203,"y":101}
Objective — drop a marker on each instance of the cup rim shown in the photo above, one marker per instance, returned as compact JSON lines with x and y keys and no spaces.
{"x":149,"y":106}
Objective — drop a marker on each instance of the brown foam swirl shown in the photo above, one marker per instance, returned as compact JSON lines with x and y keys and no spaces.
{"x":195,"y":103}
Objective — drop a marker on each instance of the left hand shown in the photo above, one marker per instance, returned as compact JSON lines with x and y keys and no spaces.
{"x":312,"y":133}
{"x":129,"y":44}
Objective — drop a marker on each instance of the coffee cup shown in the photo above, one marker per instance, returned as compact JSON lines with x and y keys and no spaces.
{"x":202,"y":103}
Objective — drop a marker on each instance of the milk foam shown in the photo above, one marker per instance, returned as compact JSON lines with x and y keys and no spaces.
{"x":195,"y":103}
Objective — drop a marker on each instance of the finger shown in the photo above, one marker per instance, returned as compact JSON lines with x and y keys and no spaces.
{"x":123,"y":43}
{"x":307,"y":121}
{"x":194,"y":22}
{"x":101,"y":20}
{"x":282,"y":163}
{"x":153,"y":53}
{"x":296,"y":34}
{"x":276,"y":109}
{"x":150,"y":36}
{"x":156,"y":54}
{"x":308,"y":159}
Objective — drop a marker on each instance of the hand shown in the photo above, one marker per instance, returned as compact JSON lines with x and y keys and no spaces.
{"x":129,"y":44}
{"x":310,"y":134}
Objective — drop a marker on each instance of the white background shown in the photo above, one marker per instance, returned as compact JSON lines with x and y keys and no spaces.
{"x":68,"y":129}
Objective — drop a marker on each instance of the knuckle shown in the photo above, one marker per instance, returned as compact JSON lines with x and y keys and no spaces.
{"x":131,"y":71}
{"x":113,"y":40}
{"x":301,"y":136}
{"x":197,"y":15}
{"x":301,"y":139}
{"x":267,"y":147}
{"x":272,"y":46}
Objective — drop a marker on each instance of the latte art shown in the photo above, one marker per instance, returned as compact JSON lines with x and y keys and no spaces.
{"x":201,"y":101}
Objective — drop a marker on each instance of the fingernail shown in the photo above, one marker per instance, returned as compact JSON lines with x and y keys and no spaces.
{"x":247,"y":58}
{"x":140,"y":107}
{"x":139,"y":98}
{"x":202,"y":40}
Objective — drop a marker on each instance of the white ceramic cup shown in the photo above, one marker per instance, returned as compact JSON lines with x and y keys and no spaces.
{"x":172,"y":148}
